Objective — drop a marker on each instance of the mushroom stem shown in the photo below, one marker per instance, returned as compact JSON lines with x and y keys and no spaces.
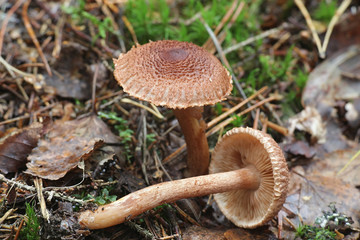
{"x":147,"y":198}
{"x":193,"y":128}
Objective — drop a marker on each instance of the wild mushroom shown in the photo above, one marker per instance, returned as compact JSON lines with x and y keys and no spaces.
{"x":181,"y":76}
{"x":249,"y":175}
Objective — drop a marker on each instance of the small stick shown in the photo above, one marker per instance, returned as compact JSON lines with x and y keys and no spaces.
{"x":235,"y":108}
{"x":144,"y":232}
{"x":58,"y":32}
{"x":107,"y":12}
{"x":12,"y":69}
{"x":130,"y":28}
{"x":229,"y":120}
{"x":93,"y":92}
{"x":271,"y":109}
{"x":226,"y":17}
{"x":27,"y":115}
{"x":282,"y":39}
{"x":127,"y":100}
{"x":186,"y":216}
{"x":311,"y":26}
{"x":33,"y":36}
{"x":174,"y":154}
{"x":223,"y":59}
{"x":253,"y":39}
{"x":6,"y":20}
{"x":255,"y":126}
{"x":33,"y":189}
{"x":39,"y":189}
{"x":344,"y":5}
{"x":7,"y":214}
{"x":19,"y":229}
{"x":276,"y":127}
{"x":223,"y":33}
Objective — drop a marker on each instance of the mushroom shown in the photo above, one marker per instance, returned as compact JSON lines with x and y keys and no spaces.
{"x":249,"y":177}
{"x":181,"y":76}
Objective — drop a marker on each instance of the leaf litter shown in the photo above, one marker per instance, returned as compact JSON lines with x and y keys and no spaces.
{"x":321,"y":139}
{"x":16,"y":146}
{"x":67,"y":143}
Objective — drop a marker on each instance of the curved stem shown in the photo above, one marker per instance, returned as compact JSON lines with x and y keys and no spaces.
{"x":147,"y":198}
{"x":193,"y":128}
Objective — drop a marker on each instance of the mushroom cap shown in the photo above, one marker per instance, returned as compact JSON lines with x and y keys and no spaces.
{"x":173,"y":74}
{"x":241,"y":147}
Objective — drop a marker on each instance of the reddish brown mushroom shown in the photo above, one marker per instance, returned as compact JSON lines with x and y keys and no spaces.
{"x":181,"y":76}
{"x":249,"y":176}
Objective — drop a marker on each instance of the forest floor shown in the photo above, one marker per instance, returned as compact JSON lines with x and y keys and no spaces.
{"x":72,"y":139}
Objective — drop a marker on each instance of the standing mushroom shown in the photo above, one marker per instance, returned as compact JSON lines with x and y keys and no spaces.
{"x":249,"y":175}
{"x":181,"y":76}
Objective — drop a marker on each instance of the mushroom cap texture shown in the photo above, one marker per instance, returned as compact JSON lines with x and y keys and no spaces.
{"x":241,"y":147}
{"x":173,"y":74}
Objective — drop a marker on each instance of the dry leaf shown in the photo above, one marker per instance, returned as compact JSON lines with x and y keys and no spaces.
{"x":245,"y":234}
{"x":313,"y":193}
{"x":65,"y":144}
{"x":332,"y":163}
{"x":200,"y":233}
{"x":15,"y":148}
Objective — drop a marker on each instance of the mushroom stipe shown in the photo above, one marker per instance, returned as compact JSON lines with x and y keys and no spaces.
{"x":249,"y":177}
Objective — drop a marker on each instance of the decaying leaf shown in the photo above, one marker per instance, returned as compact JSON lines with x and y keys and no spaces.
{"x":332,"y":163}
{"x":309,"y":120}
{"x":74,"y":78}
{"x":200,"y":233}
{"x":310,"y":194}
{"x":244,"y":234}
{"x":332,"y":80}
{"x":65,"y":144}
{"x":17,"y":146}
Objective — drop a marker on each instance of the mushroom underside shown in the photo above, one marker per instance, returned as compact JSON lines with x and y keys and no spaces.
{"x":244,"y":207}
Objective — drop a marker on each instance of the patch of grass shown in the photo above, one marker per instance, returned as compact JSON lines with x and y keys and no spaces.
{"x":325,"y":10}
{"x":80,"y":16}
{"x":32,"y":226}
{"x":315,"y":233}
{"x":103,"y":198}
{"x":150,"y":19}
{"x":237,"y":121}
{"x":153,"y":20}
{"x":150,"y":138}
{"x":325,"y":225}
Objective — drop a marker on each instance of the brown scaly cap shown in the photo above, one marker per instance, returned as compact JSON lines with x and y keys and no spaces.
{"x":241,"y":147}
{"x":173,"y":74}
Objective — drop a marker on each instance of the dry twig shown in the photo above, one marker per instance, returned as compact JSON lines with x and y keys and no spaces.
{"x":33,"y":36}
{"x":6,"y":20}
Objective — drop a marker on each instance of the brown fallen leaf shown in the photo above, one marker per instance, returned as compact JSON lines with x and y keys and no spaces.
{"x":245,"y":234}
{"x":66,"y":144}
{"x":312,"y":194}
{"x":17,"y":146}
{"x":201,"y":233}
{"x":332,"y":163}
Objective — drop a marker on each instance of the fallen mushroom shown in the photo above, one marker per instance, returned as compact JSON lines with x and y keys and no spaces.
{"x":181,"y":76}
{"x":249,"y":177}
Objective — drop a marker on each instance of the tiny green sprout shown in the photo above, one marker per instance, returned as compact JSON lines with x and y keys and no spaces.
{"x":218,"y":109}
{"x":325,"y":225}
{"x":79,"y":15}
{"x":150,"y":138}
{"x":325,"y":10}
{"x":237,"y":121}
{"x":102,"y":199}
{"x":32,"y":226}
{"x":307,"y":232}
